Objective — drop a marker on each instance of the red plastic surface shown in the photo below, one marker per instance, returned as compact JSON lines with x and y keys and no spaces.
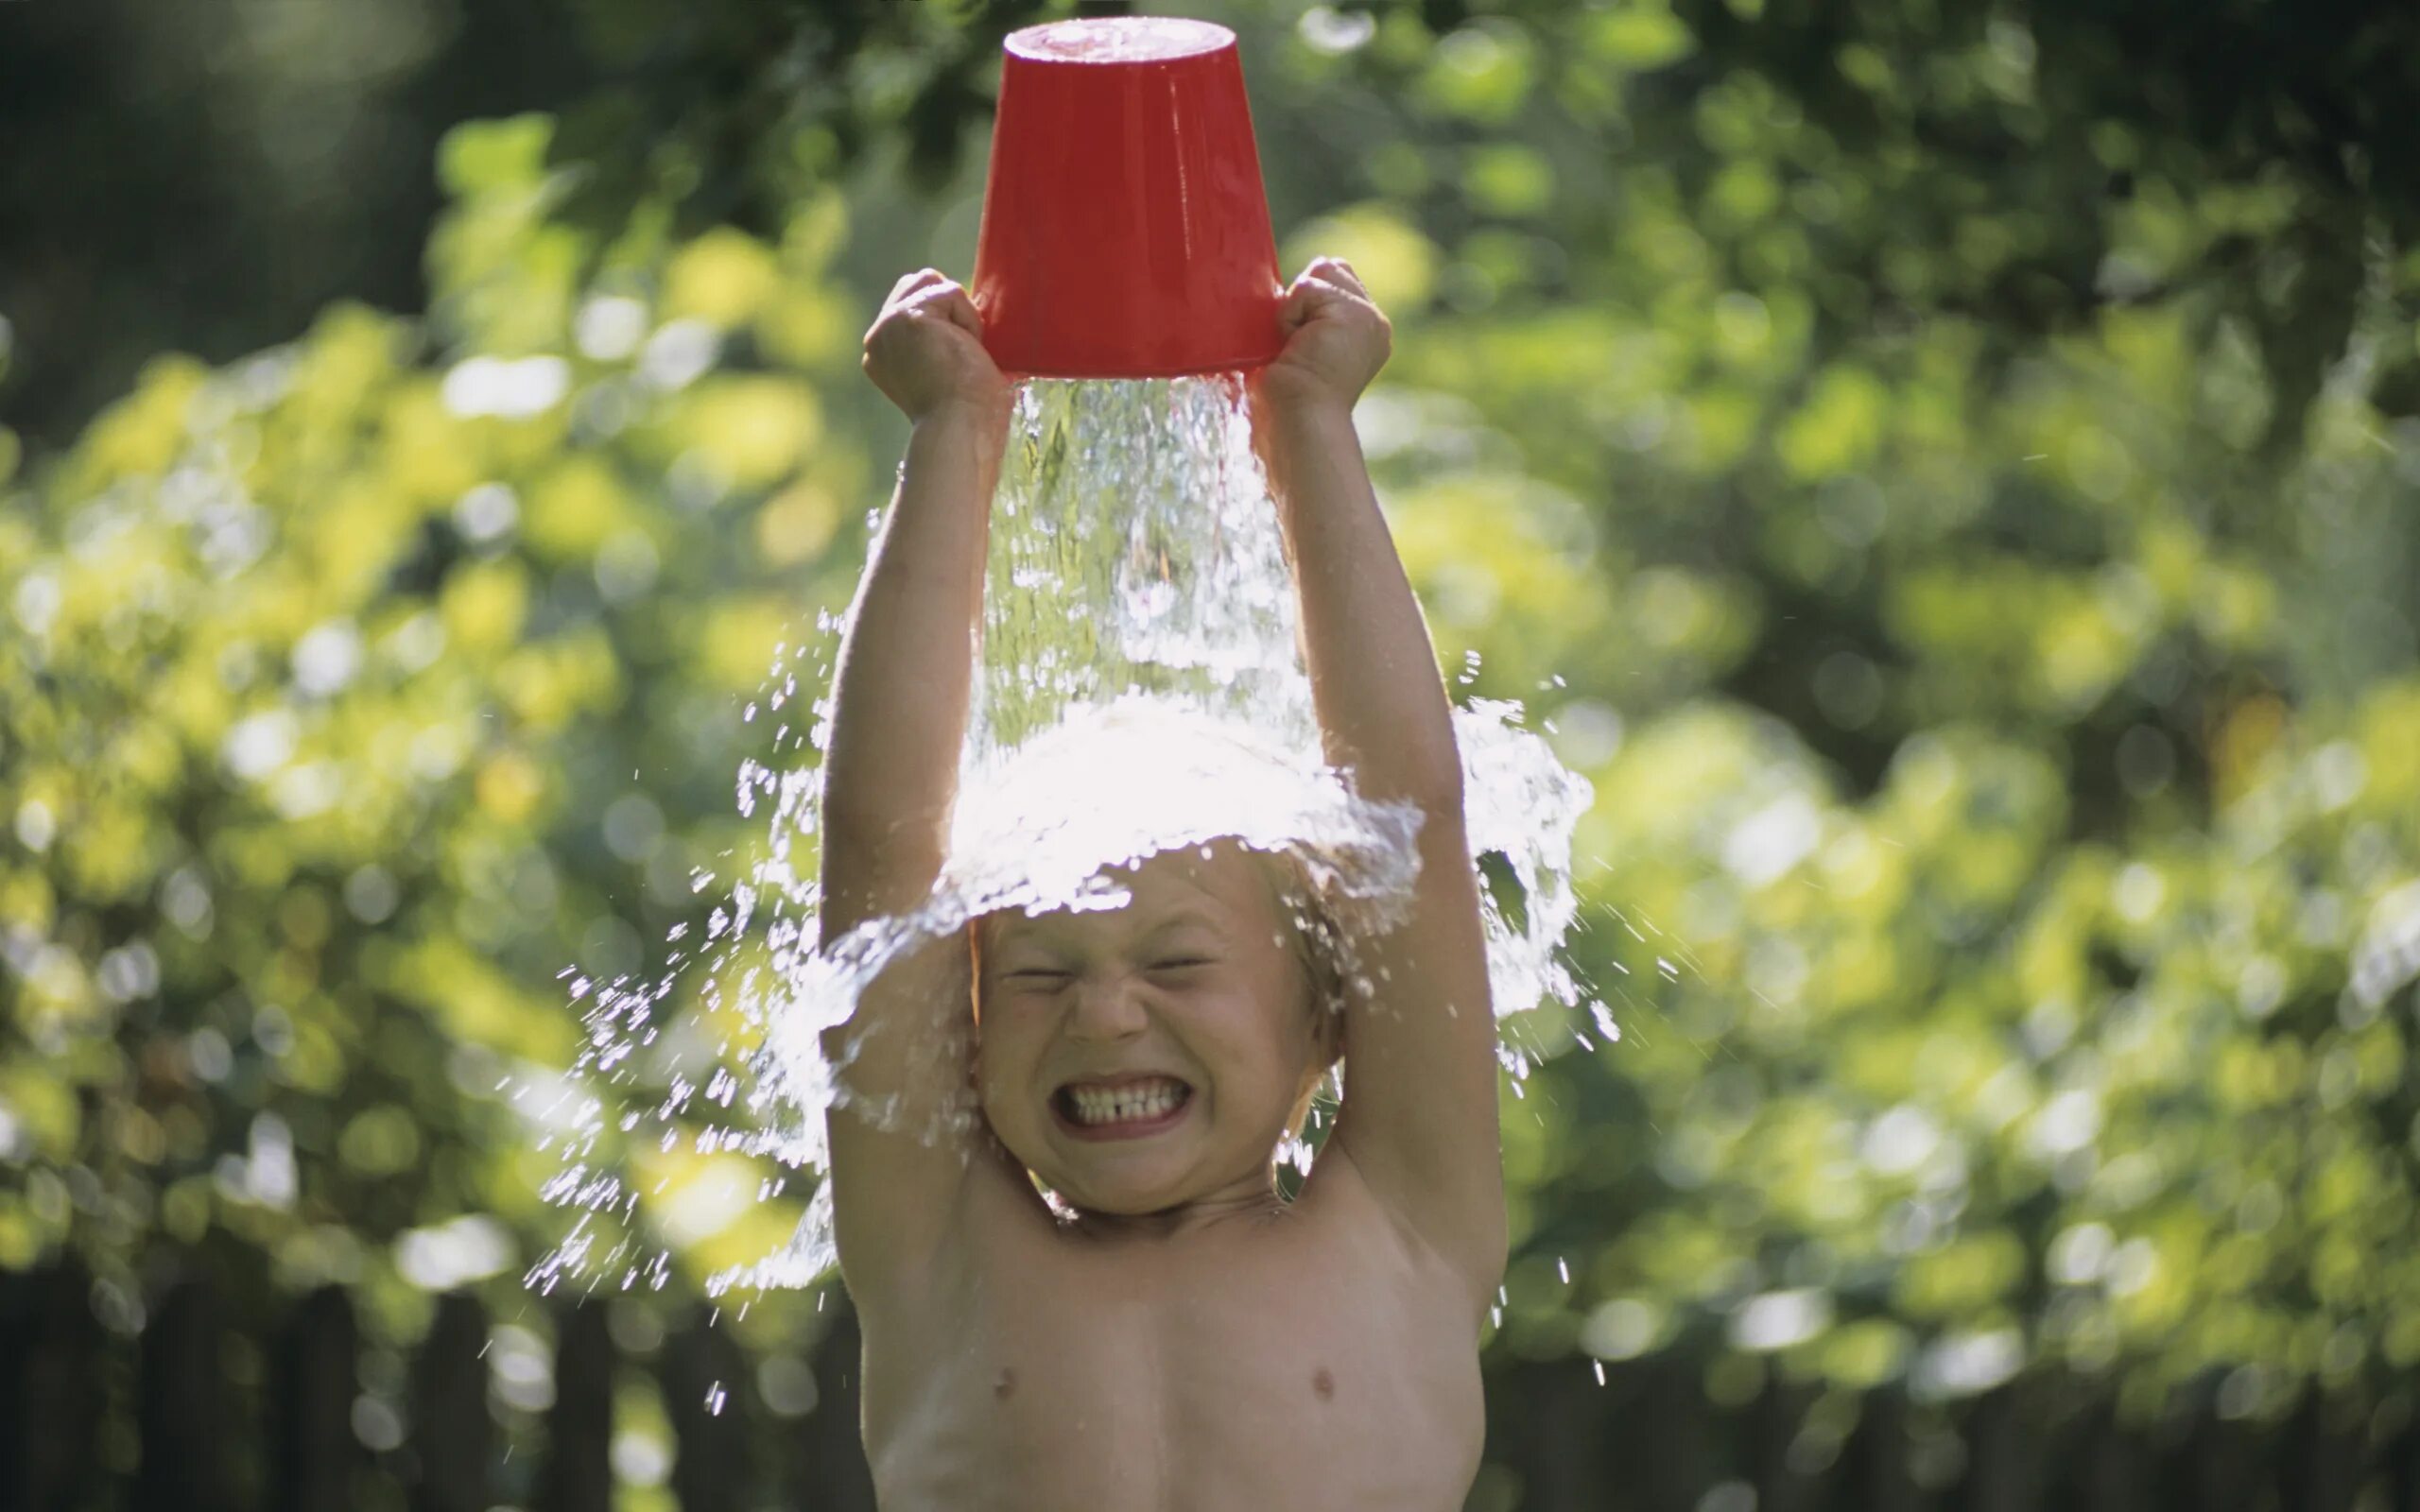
{"x":1125,"y":230}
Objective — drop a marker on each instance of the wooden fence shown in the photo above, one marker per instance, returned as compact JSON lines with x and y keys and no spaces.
{"x":151,"y":1417}
{"x":71,"y":1390}
{"x":1649,"y":1440}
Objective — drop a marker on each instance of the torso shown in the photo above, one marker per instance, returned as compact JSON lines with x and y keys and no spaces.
{"x":1313,"y":1357}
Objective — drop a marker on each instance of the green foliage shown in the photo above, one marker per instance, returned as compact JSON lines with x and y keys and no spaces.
{"x":1991,"y":724}
{"x":354,"y":690}
{"x":1959,"y":520}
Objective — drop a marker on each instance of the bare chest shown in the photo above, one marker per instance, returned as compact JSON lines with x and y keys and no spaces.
{"x":1288,"y":1367}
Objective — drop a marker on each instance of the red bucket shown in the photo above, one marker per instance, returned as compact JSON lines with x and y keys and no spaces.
{"x":1125,"y":228}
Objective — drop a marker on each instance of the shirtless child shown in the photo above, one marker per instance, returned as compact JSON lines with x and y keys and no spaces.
{"x":1176,"y":1336}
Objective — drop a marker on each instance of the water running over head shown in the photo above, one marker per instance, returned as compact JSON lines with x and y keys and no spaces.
{"x":1142,"y":772}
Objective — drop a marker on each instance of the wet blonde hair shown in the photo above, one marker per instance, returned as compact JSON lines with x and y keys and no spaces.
{"x":1310,"y":932}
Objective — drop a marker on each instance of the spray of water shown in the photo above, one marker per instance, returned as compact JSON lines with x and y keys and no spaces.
{"x":1141,"y":690}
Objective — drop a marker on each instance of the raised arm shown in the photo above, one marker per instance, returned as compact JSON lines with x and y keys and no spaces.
{"x":891,"y":773}
{"x":1419,"y":1120}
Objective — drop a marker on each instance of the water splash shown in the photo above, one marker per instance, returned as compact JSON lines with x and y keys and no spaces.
{"x":1140,"y":690}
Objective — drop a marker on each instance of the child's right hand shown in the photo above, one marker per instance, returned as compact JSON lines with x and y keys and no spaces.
{"x":925,"y":353}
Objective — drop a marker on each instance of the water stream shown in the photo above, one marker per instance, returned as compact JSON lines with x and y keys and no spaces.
{"x":1140,"y":690}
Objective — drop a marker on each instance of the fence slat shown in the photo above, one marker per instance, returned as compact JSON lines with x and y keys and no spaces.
{"x":578,"y":1476}
{"x":830,"y":1473}
{"x":1672,"y":1437}
{"x":1774,"y":1420}
{"x":706,"y":1394}
{"x":2324,"y":1457}
{"x":51,"y":1390}
{"x":1874,"y":1473}
{"x":182,"y":1407}
{"x":2212,"y":1467}
{"x":453,"y":1436}
{"x":2115,"y":1470}
{"x":1558,"y":1443}
{"x":317,"y":1379}
{"x":2002,"y":1458}
{"x":2403,"y":1467}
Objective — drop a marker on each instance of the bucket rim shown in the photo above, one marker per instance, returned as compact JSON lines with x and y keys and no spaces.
{"x":1096,"y":41}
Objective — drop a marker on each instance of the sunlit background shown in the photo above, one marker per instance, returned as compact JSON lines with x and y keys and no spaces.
{"x":1945,"y":470}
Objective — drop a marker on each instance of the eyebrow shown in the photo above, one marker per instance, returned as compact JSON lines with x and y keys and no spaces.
{"x":1028,"y":928}
{"x":1186,"y":919}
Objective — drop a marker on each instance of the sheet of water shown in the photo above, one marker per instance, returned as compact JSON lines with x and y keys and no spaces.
{"x":1140,"y":690}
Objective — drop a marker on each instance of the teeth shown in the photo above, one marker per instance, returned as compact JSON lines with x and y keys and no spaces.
{"x":1137,"y":1103}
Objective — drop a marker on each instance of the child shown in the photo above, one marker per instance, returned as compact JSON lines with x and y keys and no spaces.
{"x":1173,"y":1335}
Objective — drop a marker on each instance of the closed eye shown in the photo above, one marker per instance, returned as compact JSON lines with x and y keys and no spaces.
{"x":1179,"y":963}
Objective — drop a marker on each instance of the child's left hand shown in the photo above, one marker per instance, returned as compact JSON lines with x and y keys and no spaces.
{"x":1336,"y":339}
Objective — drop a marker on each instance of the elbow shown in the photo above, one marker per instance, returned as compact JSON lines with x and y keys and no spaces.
{"x":1435,"y":788}
{"x":1433,"y":771}
{"x":1438,"y":805}
{"x":873,"y":869}
{"x":1441,"y":797}
{"x":1426,"y":774}
{"x":880,"y":839}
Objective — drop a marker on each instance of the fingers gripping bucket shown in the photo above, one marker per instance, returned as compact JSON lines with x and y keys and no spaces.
{"x":1125,"y":230}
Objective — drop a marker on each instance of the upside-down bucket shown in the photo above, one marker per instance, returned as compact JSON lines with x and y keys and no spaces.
{"x":1125,"y":230}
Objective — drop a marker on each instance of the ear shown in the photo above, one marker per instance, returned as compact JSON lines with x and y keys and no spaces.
{"x":1312,"y":1077}
{"x":975,"y":971}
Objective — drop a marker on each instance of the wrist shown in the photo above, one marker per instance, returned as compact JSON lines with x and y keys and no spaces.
{"x":983,"y":413}
{"x":1321,"y":421}
{"x":1295,"y":388}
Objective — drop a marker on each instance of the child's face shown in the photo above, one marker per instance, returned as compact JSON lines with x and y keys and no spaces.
{"x":1151,"y":1057}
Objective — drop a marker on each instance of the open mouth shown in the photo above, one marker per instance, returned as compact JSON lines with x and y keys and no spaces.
{"x":1125,"y":1109}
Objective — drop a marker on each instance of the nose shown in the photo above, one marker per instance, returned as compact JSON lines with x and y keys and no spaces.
{"x":1105,"y":1009}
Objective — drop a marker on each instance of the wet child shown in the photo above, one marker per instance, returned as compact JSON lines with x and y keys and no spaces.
{"x":1169,"y":1332}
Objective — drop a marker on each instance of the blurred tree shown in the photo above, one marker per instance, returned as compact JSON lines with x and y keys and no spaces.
{"x":206,"y":176}
{"x":2010,"y":613}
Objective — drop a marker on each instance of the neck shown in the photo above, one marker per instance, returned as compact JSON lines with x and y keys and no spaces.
{"x":1251,"y":1199}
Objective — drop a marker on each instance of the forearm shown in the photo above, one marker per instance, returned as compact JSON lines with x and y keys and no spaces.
{"x":906,"y":661}
{"x":1381,"y":701}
